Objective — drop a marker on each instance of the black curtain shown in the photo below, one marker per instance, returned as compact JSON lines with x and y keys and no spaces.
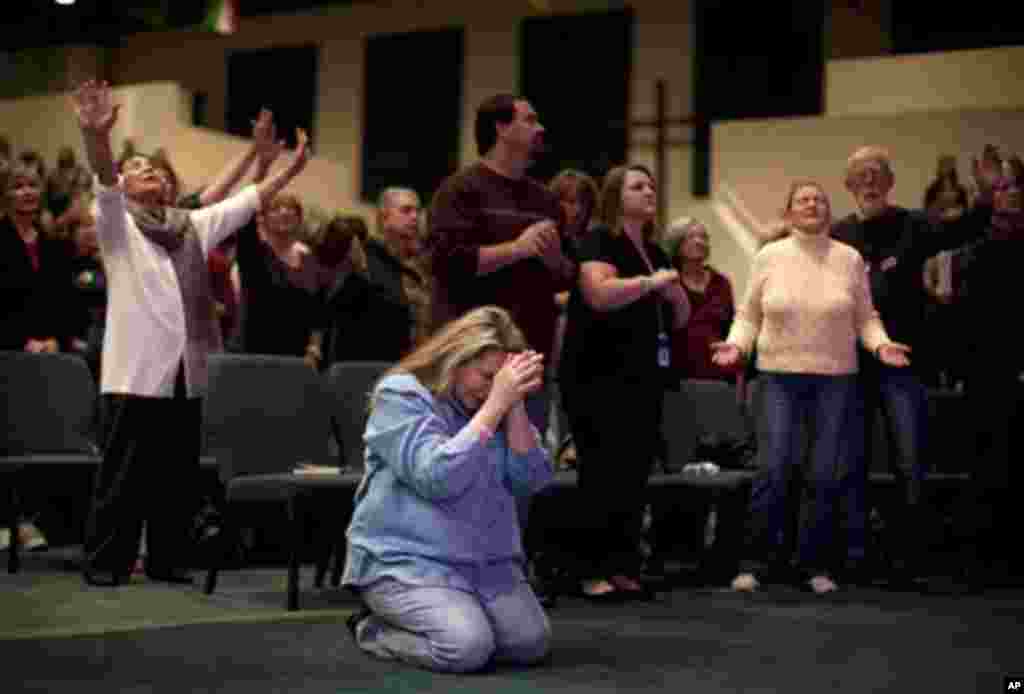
{"x":283,"y":79}
{"x":763,"y":60}
{"x":575,"y":70}
{"x":412,"y":110}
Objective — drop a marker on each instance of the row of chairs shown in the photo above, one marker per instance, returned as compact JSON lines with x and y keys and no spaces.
{"x":264,"y":416}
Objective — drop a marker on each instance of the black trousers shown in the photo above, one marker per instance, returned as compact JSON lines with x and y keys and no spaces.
{"x":616,"y":426}
{"x":990,"y":523}
{"x":150,"y":475}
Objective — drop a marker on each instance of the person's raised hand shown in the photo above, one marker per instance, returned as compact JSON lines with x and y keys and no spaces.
{"x":302,"y":151}
{"x":264,"y":135}
{"x":987,"y":170}
{"x":94,"y":107}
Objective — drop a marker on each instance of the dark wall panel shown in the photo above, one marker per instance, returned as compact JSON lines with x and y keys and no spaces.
{"x":412,"y":110}
{"x":575,"y":70}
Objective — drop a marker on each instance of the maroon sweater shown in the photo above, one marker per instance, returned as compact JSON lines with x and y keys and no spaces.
{"x":479,"y":207}
{"x":711,"y":312}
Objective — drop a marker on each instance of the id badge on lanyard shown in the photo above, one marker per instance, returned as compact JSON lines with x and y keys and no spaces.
{"x":664,"y":352}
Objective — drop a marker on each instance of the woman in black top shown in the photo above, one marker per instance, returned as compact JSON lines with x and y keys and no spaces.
{"x":35,"y":293}
{"x":280,"y":309}
{"x":616,"y":363}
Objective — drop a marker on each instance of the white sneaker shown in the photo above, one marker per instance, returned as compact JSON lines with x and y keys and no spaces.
{"x":30,"y":537}
{"x":822,"y":584}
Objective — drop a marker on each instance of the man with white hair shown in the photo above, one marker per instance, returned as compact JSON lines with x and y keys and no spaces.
{"x":895,"y":243}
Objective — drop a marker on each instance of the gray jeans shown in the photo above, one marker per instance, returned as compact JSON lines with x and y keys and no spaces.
{"x":449,"y":630}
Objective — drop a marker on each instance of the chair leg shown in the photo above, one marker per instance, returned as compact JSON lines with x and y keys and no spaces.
{"x":339,"y":562}
{"x":296,"y":526}
{"x":323,"y":562}
{"x":219,"y":560}
{"x":13,"y":556}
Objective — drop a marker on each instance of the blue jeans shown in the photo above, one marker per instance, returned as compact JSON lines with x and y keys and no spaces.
{"x":790,"y":402}
{"x":449,"y":630}
{"x":903,"y":401}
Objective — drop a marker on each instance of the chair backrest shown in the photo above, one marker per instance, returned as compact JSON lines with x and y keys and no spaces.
{"x":349,"y":385}
{"x":264,"y":414}
{"x":678,"y":428}
{"x":717,"y":409}
{"x":49,"y":404}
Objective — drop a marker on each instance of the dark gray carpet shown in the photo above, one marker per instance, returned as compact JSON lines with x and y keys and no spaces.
{"x":693,"y":641}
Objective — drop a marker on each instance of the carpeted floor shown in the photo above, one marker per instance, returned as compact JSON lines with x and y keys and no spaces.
{"x":59,"y":636}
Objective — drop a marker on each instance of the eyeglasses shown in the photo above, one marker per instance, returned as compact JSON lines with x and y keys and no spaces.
{"x":867,"y":174}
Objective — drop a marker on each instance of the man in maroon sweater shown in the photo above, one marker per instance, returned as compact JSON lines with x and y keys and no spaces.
{"x":494,"y":239}
{"x":494,"y":232}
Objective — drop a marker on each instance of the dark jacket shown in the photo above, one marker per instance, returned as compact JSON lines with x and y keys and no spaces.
{"x":369,"y":318}
{"x":34,"y":304}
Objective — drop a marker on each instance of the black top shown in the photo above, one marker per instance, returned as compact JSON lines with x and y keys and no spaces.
{"x":279,"y":304}
{"x":34,"y":304}
{"x":620,"y":344}
{"x":368,"y":317}
{"x":895,"y":246}
{"x":989,"y":310}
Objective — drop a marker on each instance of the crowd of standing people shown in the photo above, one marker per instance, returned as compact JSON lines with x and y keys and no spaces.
{"x":510,"y":309}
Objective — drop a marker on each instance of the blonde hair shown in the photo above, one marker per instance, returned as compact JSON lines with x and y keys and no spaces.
{"x":865,"y":154}
{"x":456,"y":344}
{"x":16,"y":170}
{"x":610,"y":207}
{"x":285,"y":200}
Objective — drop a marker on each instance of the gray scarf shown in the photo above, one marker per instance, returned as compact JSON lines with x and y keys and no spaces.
{"x":172,"y":229}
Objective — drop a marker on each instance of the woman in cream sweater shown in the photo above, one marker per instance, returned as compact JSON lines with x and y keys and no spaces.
{"x":807,"y":304}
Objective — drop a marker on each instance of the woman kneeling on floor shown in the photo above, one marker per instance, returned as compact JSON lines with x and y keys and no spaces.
{"x":435,"y":551}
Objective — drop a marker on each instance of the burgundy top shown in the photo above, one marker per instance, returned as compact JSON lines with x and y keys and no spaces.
{"x":711,"y":313}
{"x":32,"y":248}
{"x":479,"y":207}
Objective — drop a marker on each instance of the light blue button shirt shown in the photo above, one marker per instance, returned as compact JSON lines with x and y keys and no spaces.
{"x":437,"y":504}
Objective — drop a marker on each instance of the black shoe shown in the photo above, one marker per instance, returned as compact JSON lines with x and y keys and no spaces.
{"x":611,"y":597}
{"x":103,"y":579}
{"x":353,"y":620}
{"x":176,"y":576}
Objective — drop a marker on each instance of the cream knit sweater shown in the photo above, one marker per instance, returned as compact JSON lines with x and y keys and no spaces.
{"x":807,"y":304}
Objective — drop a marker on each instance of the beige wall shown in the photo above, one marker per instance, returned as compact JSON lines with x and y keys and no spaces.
{"x":754,"y":161}
{"x":197,"y":61}
{"x":975,"y":79}
{"x":759,"y":158}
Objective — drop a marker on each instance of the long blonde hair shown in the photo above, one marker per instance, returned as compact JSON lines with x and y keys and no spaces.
{"x":456,"y":344}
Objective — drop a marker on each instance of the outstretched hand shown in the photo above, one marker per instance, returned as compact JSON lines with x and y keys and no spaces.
{"x":726,"y":355}
{"x":894,"y":354}
{"x":94,"y":106}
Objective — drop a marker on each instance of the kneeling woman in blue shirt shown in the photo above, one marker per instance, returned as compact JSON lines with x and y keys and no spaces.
{"x":434,"y":547}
